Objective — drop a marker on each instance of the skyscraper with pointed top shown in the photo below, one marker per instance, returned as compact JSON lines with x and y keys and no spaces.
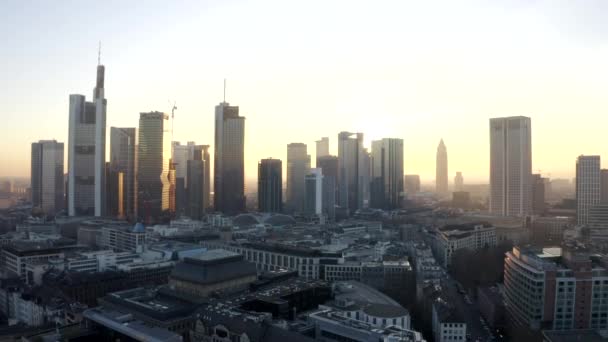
{"x":87,"y":151}
{"x":441,"y":172}
{"x":229,"y":159}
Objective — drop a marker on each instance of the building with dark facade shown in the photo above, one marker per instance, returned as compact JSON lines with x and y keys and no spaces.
{"x":153,"y":166}
{"x":270,"y":185}
{"x":123,"y":192}
{"x":229,"y":156}
{"x":47,"y":182}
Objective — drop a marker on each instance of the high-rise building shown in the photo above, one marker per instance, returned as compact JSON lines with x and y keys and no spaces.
{"x":386,"y":173}
{"x":458,"y":182}
{"x":588,"y":187}
{"x":153,"y":166}
{"x":197,"y":182}
{"x":510,"y":166}
{"x":412,"y":184}
{"x":181,"y":154}
{"x":270,"y":185}
{"x":604,"y":184}
{"x":229,"y":169}
{"x":87,"y":152}
{"x":329,"y":168}
{"x":122,"y":161}
{"x":538,"y":194}
{"x":322,"y":149}
{"x":47,"y":176}
{"x":298,"y":166}
{"x":314,"y":193}
{"x":353,"y":172}
{"x":441,"y":170}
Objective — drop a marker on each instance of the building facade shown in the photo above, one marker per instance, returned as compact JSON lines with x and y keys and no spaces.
{"x":353,"y":172}
{"x":123,"y":160}
{"x":441,"y":170}
{"x":314,"y":193}
{"x":298,"y":166}
{"x":510,"y":166}
{"x":270,"y":185}
{"x":588,"y":186}
{"x":153,"y":169}
{"x":458,"y":182}
{"x":87,"y":152}
{"x":386,"y":173}
{"x":47,"y":176}
{"x":229,"y":156}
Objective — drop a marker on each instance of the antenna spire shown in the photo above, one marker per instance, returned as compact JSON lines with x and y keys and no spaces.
{"x":99,"y":54}
{"x":224,"y":90}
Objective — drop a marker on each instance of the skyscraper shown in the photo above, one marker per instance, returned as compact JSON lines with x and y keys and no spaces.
{"x":322,"y":149}
{"x":153,"y":169}
{"x":270,"y":185}
{"x":538,"y":194}
{"x":87,"y":151}
{"x":604,"y":184}
{"x":197,"y":182}
{"x":47,"y":176}
{"x":353,"y":172}
{"x":181,"y":154}
{"x":510,"y":166}
{"x":441,"y":170}
{"x":122,"y":160}
{"x":329,"y":168}
{"x":298,"y":166}
{"x":386,"y":173}
{"x":588,"y":187}
{"x":458,"y":182}
{"x":229,"y":170}
{"x":314,"y":193}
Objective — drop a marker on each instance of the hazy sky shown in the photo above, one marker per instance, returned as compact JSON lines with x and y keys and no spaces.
{"x":300,"y":70}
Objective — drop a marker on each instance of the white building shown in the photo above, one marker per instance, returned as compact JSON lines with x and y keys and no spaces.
{"x":451,"y":238}
{"x":510,"y":166}
{"x":314,"y":193}
{"x":124,"y":239}
{"x":446,"y":326}
{"x":588,"y":186}
{"x":87,"y":152}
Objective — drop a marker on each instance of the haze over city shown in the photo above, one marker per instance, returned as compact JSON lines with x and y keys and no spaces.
{"x":419,"y":71}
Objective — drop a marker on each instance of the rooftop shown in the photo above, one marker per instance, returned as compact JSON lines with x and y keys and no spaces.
{"x":126,"y":324}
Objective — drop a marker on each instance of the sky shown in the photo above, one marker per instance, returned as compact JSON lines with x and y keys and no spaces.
{"x":301,"y":70}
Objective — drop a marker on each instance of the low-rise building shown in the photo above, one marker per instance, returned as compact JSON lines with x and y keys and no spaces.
{"x":452,"y":237}
{"x":447,"y":326}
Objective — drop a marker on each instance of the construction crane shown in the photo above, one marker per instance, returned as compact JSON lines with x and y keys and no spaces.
{"x":173,"y":108}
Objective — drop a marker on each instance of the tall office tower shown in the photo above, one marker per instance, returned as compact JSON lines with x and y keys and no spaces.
{"x":229,"y":169}
{"x":386,"y":173}
{"x":352,"y":160}
{"x":588,"y":187}
{"x":87,"y":152}
{"x":122,"y":161}
{"x":329,"y":168}
{"x":153,"y":166}
{"x":510,"y":166}
{"x":441,"y":170}
{"x":197,"y":182}
{"x":298,"y":166}
{"x":604,"y":183}
{"x":180,"y":155}
{"x":458,"y":182}
{"x":411,"y":184}
{"x":314,"y":193}
{"x":270,"y":185}
{"x":538,"y":194}
{"x":47,"y":176}
{"x":322,"y":149}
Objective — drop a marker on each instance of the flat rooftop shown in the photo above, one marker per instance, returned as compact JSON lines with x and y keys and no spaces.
{"x":124,"y":323}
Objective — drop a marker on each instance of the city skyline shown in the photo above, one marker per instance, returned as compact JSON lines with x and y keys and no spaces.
{"x":412,"y":92}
